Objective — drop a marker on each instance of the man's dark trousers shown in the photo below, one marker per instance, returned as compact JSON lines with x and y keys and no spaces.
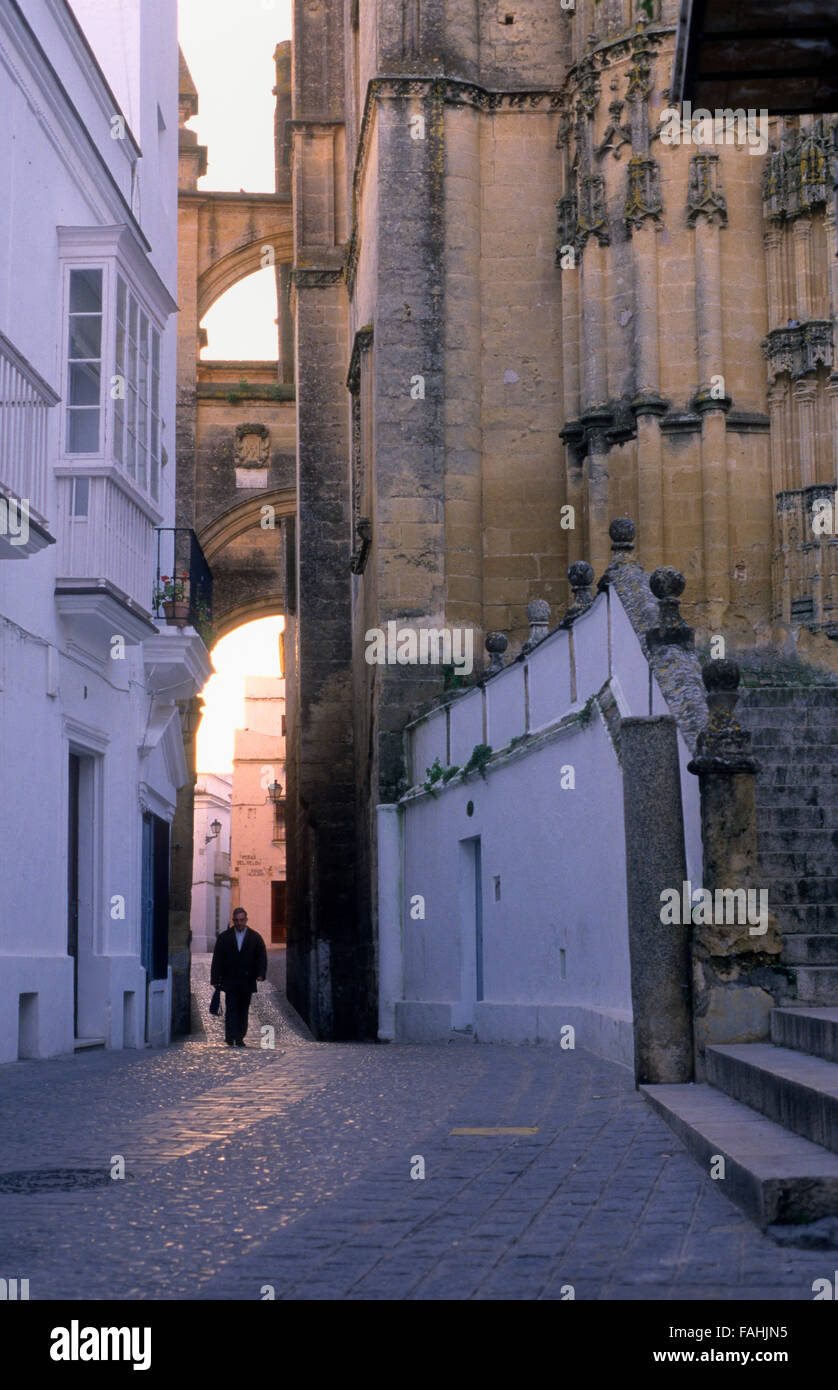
{"x":235,"y":972}
{"x":237,"y":1007}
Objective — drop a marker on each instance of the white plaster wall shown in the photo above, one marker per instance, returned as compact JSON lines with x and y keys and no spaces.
{"x":506,"y":715}
{"x":54,"y":692}
{"x":560,"y":858}
{"x":553,"y":868}
{"x":466,"y":718}
{"x":428,"y":741}
{"x":549,"y":680}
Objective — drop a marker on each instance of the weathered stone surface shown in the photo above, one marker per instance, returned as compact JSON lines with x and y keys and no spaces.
{"x":734,"y":1014}
{"x":660,"y":962}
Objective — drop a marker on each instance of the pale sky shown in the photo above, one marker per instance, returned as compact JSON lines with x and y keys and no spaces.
{"x":229,"y":47}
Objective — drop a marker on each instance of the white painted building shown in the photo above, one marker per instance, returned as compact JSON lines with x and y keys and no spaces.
{"x":91,"y":752}
{"x":504,"y":899}
{"x":210,"y":913}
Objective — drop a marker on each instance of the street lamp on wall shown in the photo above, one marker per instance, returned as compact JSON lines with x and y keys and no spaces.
{"x":215,"y":827}
{"x":275,"y":795}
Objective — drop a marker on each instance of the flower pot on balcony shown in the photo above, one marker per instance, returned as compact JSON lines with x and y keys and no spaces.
{"x":176,"y":612}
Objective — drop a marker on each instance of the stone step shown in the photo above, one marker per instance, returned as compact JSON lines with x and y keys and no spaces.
{"x":781,"y":795}
{"x":820,"y":717}
{"x":772,"y":1174}
{"x":788,"y":865}
{"x":806,"y":1030}
{"x":793,"y":1089}
{"x":777,"y":796}
{"x":801,"y":949}
{"x":803,"y":890}
{"x":797,"y":840}
{"x":792,"y":741}
{"x":773,"y":819}
{"x":817,"y":984}
{"x":807,"y":918}
{"x":754,"y":698}
{"x":815,"y":762}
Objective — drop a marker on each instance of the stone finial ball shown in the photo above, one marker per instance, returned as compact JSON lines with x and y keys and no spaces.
{"x":496,"y":641}
{"x":667,"y":583}
{"x":720,"y":675}
{"x":581,"y":575}
{"x":538,"y":611}
{"x":622,"y":530}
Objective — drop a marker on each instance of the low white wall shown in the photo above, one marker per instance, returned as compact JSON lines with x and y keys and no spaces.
{"x":552,"y":943}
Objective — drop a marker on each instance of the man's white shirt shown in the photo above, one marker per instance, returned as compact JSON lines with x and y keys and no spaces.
{"x":240,"y":936}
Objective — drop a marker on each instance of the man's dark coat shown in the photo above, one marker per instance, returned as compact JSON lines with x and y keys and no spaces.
{"x":234,"y":969}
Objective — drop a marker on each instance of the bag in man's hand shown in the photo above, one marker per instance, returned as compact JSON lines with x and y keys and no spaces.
{"x":215,"y":1002}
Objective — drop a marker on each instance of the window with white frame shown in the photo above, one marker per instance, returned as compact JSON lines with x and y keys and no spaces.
{"x":136,"y":392}
{"x":113,"y":378}
{"x":84,"y":358}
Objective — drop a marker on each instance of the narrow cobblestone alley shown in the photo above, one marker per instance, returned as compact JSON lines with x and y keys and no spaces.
{"x":291,"y":1168}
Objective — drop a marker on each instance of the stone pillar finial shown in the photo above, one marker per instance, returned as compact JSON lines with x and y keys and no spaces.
{"x":496,"y":645}
{"x":723,"y":745}
{"x":624,"y":567}
{"x":580,"y":577}
{"x":667,"y":585}
{"x":622,"y":532}
{"x":538,"y":615}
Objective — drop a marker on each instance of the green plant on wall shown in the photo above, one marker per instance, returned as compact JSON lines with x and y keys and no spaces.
{"x":586,"y":714}
{"x":436,"y":774}
{"x":480,"y":755}
{"x":203,"y":623}
{"x":451,"y":678}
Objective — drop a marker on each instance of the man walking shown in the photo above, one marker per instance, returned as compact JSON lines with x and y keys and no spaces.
{"x":238,"y":961}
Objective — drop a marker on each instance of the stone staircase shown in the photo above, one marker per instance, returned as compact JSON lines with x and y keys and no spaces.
{"x":770,"y":1109}
{"x":795,"y":740}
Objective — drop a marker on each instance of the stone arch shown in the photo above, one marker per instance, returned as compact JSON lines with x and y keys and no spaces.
{"x":248,"y":613}
{"x":236,"y":265}
{"x":244,"y":516}
{"x":246,"y":559}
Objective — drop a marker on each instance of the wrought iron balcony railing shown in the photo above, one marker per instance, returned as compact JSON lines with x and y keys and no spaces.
{"x":183,"y":584}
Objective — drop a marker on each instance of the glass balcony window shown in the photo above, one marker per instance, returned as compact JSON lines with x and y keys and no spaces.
{"x":84,"y":354}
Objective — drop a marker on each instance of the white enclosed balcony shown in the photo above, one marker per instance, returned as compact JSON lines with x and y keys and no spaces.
{"x":110,"y":451}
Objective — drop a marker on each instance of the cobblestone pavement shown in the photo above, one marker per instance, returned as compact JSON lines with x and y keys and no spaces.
{"x":291,"y":1168}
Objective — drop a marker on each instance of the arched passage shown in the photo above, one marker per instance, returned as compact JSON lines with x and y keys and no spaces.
{"x":239,"y":816}
{"x":244,"y":547}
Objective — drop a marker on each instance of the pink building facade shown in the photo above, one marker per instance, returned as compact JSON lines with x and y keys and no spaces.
{"x":258,"y":809}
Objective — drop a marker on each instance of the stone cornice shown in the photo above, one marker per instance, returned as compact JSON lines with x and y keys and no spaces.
{"x":213,"y":195}
{"x":316,"y":277}
{"x":449,"y":91}
{"x":602,"y":55}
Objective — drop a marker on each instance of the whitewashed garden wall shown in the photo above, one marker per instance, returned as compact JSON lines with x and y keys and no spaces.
{"x":537,"y":938}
